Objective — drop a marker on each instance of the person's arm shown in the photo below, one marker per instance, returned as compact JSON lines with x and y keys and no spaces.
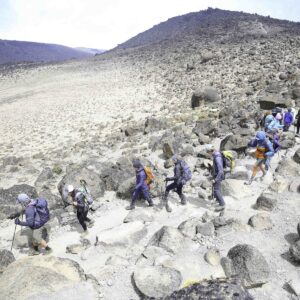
{"x":219,"y":165}
{"x":79,"y":201}
{"x":29,"y":214}
{"x":270,"y":148}
{"x":140,"y":179}
{"x":252,"y":143}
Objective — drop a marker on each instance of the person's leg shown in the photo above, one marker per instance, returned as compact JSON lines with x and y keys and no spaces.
{"x":218,"y":193}
{"x":81,"y":219}
{"x":135,"y":196}
{"x":170,"y":187}
{"x":180,"y":193}
{"x":146,"y":194}
{"x":298,"y":128}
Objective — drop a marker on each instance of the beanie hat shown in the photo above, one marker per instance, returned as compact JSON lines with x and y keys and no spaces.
{"x":278,"y":116}
{"x":23,"y":199}
{"x":70,"y":188}
{"x":260,"y":135}
{"x":137,"y":164}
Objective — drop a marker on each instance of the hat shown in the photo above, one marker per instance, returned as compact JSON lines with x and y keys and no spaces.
{"x":70,"y":188}
{"x":23,"y":199}
{"x":136,"y":164}
{"x":260,"y":135}
{"x":209,"y":148}
{"x":278,"y":116}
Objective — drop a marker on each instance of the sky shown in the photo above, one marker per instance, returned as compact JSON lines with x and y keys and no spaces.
{"x":104,"y":24}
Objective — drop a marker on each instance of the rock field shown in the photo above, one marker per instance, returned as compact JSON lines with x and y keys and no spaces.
{"x":196,"y":79}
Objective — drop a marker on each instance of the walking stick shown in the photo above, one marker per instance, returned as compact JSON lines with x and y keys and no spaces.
{"x":12,"y":242}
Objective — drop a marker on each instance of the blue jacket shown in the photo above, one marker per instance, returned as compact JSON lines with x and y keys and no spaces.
{"x":30,"y":216}
{"x":275,"y":124}
{"x":140,"y":178}
{"x":288,"y":118}
{"x":264,"y":145}
{"x":218,"y":170}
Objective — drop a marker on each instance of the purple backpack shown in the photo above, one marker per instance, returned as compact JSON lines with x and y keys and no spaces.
{"x":42,"y":214}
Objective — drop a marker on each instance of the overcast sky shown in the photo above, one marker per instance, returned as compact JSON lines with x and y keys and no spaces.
{"x":103,"y":24}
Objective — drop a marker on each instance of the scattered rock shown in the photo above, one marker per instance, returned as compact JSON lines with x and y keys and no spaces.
{"x":295,"y":251}
{"x":207,"y":229}
{"x":212,"y":257}
{"x":295,"y":186}
{"x":204,"y":95}
{"x":234,"y":142}
{"x":154,"y":124}
{"x":116,"y":260}
{"x":138,"y":215}
{"x":266,"y":201}
{"x":126,"y":188}
{"x":261,"y":221}
{"x":6,"y":258}
{"x":296,"y":156}
{"x":249,"y":264}
{"x":188,"y":227}
{"x":156,"y":281}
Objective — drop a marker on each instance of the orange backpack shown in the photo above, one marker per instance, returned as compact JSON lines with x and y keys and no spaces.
{"x":149,"y":174}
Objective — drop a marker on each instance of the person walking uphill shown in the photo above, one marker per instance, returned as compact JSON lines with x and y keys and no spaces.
{"x":182,"y":174}
{"x":141,"y":186}
{"x":37,"y":215}
{"x":264,"y":152}
{"x":218,"y":175}
{"x":81,"y":203}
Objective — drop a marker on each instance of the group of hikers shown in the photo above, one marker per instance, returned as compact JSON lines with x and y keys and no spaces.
{"x":266,"y":143}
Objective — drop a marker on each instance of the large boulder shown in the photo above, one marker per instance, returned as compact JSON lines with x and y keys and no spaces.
{"x":249,"y":264}
{"x":206,"y":95}
{"x":271,"y":101}
{"x":295,"y":251}
{"x":46,"y":278}
{"x":155,"y":124}
{"x":44,"y":178}
{"x":287,"y":167}
{"x":188,"y":227}
{"x":261,"y":221}
{"x":287,"y":140}
{"x":8,"y":206}
{"x":6,"y":258}
{"x":92,"y":179}
{"x":296,"y":156}
{"x":234,"y":142}
{"x":206,"y":127}
{"x":156,"y":281}
{"x":168,"y":238}
{"x":266,"y":201}
{"x":125,"y":189}
{"x":222,"y":288}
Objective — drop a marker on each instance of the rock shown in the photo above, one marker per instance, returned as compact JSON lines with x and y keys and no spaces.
{"x":205,"y":127}
{"x":266,"y":201}
{"x":126,"y":188}
{"x":50,"y":278}
{"x":168,"y":238}
{"x":287,"y":140}
{"x":287,"y":166}
{"x":217,"y":289}
{"x":296,"y":156}
{"x":21,"y":239}
{"x":188,"y":227}
{"x":298,"y":229}
{"x":154,"y":124}
{"x":279,"y":185}
{"x":203,"y":139}
{"x":271,"y":101}
{"x":156,"y":281}
{"x":296,"y":93}
{"x":43,"y":178}
{"x":283,"y":76}
{"x":151,"y":254}
{"x":73,"y":177}
{"x":261,"y":221}
{"x":212,"y":257}
{"x":235,"y":189}
{"x":239,"y":173}
{"x":168,"y":150}
{"x":188,"y":150}
{"x":207,"y":229}
{"x":138,"y":215}
{"x":168,"y":163}
{"x":10,"y":161}
{"x":234,"y":142}
{"x":54,"y":201}
{"x":204,"y":95}
{"x":8,"y":206}
{"x":295,"y":251}
{"x":116,"y":260}
{"x":249,"y":264}
{"x":6,"y":258}
{"x":75,"y":248}
{"x":57,"y":169}
{"x":295,"y":186}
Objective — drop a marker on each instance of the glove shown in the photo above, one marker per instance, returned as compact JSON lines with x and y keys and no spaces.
{"x":17,"y":221}
{"x":167,"y":179}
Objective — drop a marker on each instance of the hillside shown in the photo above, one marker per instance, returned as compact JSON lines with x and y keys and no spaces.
{"x":199,"y":79}
{"x":18,"y":51}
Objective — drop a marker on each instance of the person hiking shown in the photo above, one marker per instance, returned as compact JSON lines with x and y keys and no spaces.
{"x":288,"y":119}
{"x":275,"y":124}
{"x":141,"y":186}
{"x":274,"y":138}
{"x":37,"y":215}
{"x":268,"y":119}
{"x":80,"y":201}
{"x":264,"y":152}
{"x":181,"y":175}
{"x":298,"y":121}
{"x":218,"y":175}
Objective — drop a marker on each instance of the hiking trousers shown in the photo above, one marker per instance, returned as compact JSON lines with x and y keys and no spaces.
{"x":174,"y":186}
{"x":144,"y":189}
{"x":82,"y":217}
{"x":218,"y":193}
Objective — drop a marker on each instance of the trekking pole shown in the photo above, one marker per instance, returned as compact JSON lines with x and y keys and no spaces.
{"x":13,"y":239}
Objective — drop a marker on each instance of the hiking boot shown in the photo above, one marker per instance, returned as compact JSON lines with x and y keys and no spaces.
{"x":168,"y":208}
{"x":46,"y":251}
{"x":183,"y":200}
{"x":130,"y":207}
{"x":220,"y":208}
{"x":150,"y":201}
{"x":33,"y":252}
{"x":249,"y":182}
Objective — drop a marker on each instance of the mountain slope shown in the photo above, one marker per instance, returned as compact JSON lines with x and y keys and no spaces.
{"x":18,"y":51}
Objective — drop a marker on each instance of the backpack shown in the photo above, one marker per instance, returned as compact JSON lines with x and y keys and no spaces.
{"x":42,"y":214}
{"x":83,"y":195}
{"x":288,"y":118}
{"x":228,"y":160}
{"x":149,"y":175}
{"x":186,"y":172}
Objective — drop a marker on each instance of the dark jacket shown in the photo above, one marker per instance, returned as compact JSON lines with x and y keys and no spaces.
{"x":78,"y":197}
{"x":29,"y":215}
{"x":178,"y":174}
{"x":140,"y":178}
{"x":218,"y":171}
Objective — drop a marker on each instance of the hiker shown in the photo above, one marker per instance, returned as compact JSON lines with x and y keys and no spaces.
{"x":264,"y":152}
{"x":81,"y":202}
{"x":37,"y":215}
{"x":288,"y":119}
{"x":218,"y":175}
{"x":298,"y":121}
{"x":141,"y":186}
{"x":267,"y":121}
{"x":274,"y":138}
{"x":182,"y":174}
{"x":275,"y":124}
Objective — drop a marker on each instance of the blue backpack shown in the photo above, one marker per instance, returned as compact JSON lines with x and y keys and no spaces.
{"x":42,"y":214}
{"x":186,"y":172}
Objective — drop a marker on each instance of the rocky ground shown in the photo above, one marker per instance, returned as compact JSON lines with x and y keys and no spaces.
{"x":64,"y":122}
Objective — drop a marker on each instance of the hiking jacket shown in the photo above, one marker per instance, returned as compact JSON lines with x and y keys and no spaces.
{"x":29,"y":215}
{"x":288,"y":118}
{"x":178,"y":174}
{"x":268,"y":120}
{"x":218,"y":170}
{"x":78,"y":197}
{"x":264,"y":148}
{"x":140,"y":178}
{"x":275,"y":124}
